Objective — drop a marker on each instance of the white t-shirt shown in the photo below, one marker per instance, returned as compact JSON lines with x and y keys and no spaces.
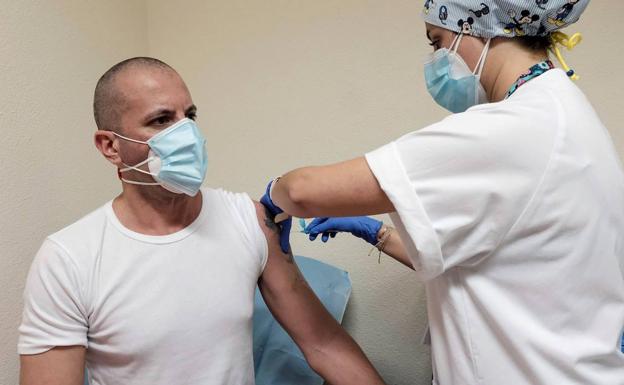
{"x":513,"y":214}
{"x":174,"y":309}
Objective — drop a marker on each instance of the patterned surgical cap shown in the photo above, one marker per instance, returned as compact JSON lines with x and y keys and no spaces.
{"x":508,"y":18}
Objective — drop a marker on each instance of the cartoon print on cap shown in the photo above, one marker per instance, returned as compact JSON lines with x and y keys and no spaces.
{"x":466,"y":25}
{"x":493,"y":18}
{"x":429,"y":5}
{"x":540,"y":3}
{"x":481,"y":12}
{"x":443,"y":15}
{"x":517,"y":25}
{"x":563,"y":13}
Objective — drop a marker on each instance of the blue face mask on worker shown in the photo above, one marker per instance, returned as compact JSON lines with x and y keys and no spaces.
{"x":451,"y":82}
{"x":177,"y":159}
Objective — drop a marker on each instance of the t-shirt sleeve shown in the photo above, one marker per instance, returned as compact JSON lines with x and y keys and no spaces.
{"x":54,"y":312}
{"x":458,"y":187}
{"x":253,"y":234}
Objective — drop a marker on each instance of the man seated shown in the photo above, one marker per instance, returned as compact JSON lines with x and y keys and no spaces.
{"x":157,"y":286}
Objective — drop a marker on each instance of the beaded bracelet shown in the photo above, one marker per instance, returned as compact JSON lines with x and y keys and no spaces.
{"x":381,"y":244}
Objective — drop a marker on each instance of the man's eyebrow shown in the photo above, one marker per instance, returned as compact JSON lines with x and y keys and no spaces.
{"x":158,"y":112}
{"x":165,"y":111}
{"x":429,"y":35}
{"x":192,"y":108}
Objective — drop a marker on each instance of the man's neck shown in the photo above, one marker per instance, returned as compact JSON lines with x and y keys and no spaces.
{"x":506,"y":62}
{"x":150,"y":211}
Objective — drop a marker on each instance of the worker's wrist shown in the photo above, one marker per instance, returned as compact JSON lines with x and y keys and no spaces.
{"x":383,"y":236}
{"x":382,"y":231}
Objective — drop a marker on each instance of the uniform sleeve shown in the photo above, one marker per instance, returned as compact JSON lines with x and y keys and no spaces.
{"x":458,"y":187}
{"x":54,"y":313}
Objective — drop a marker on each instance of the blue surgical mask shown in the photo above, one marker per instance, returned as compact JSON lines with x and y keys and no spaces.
{"x":177,"y":159}
{"x":450,"y":81}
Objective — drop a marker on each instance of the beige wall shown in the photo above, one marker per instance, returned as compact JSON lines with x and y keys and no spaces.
{"x":279,"y":84}
{"x":52,"y":53}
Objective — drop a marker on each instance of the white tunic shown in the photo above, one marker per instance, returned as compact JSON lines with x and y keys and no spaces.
{"x":513,"y":215}
{"x":174,"y":309}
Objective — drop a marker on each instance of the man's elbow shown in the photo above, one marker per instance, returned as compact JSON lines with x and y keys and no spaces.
{"x":317,"y":359}
{"x":318,"y":351}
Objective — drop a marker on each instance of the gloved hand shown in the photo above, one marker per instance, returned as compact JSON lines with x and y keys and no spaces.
{"x":362,"y":227}
{"x":284,"y":226}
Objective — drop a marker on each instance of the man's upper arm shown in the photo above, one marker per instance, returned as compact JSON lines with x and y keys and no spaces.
{"x":58,"y":366}
{"x":290,"y":299}
{"x":53,"y":333}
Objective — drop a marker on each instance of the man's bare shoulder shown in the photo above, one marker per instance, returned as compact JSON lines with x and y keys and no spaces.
{"x":268,"y":226}
{"x":272,"y":233}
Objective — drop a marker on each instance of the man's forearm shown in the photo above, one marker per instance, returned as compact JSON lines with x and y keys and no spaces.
{"x":342,"y":362}
{"x":329,"y":350}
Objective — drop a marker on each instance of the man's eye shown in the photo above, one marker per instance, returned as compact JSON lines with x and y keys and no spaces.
{"x":192,"y":116}
{"x":161,"y":120}
{"x":435,"y":45}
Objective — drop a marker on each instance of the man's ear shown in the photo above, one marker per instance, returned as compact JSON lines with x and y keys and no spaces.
{"x":106,"y":144}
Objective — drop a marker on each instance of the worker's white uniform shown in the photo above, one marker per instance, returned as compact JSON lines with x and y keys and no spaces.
{"x":152,"y":310}
{"x":513,"y":214}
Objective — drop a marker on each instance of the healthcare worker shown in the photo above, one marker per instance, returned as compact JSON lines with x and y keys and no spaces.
{"x":510,"y":210}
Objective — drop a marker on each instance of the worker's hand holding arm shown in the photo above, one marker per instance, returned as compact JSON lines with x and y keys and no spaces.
{"x":368,"y":229}
{"x":343,"y":189}
{"x":282,"y":221}
{"x":327,"y":347}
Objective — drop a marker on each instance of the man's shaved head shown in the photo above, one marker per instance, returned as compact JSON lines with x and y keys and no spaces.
{"x":108,"y":100}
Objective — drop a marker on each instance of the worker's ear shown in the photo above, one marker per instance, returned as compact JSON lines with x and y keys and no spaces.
{"x":106,"y":143}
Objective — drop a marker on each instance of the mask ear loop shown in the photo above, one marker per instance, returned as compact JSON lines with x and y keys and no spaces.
{"x":481,"y":63}
{"x":456,"y":43}
{"x":129,"y":139}
{"x":140,"y":183}
{"x":136,"y":167}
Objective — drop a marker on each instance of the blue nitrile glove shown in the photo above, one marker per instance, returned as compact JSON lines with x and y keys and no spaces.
{"x":362,"y":227}
{"x":284,"y":226}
